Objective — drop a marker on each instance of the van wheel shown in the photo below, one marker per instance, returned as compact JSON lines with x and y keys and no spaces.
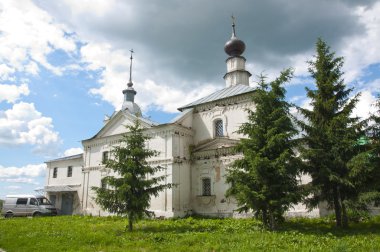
{"x":37,"y":214}
{"x":8,"y":215}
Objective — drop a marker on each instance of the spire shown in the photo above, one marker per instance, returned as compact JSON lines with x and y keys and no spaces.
{"x":233,"y":27}
{"x":130,"y":84}
{"x":129,"y":93}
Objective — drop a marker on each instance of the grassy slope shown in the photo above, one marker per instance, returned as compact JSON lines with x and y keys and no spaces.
{"x":107,"y":234}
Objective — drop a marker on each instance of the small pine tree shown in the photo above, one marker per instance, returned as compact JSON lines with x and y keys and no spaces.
{"x":129,"y":192}
{"x":265,"y":179}
{"x":330,"y":135}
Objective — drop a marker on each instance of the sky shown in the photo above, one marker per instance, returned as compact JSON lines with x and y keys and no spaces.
{"x":64,"y":63}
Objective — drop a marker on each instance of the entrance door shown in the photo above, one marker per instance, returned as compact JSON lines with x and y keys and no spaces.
{"x":67,"y":204}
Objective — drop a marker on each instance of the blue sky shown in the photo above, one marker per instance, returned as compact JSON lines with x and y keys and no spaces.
{"x":64,"y":64}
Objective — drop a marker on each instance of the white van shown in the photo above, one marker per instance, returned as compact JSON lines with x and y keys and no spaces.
{"x":27,"y":205}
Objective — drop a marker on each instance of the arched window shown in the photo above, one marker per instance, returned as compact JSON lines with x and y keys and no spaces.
{"x":218,"y":124}
{"x":206,"y":186}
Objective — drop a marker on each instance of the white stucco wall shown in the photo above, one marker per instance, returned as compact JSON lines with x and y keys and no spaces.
{"x":217,"y":204}
{"x":75,"y":181}
{"x":233,"y":116}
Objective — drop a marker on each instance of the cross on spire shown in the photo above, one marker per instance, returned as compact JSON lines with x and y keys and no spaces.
{"x":233,"y":26}
{"x":130,"y":70}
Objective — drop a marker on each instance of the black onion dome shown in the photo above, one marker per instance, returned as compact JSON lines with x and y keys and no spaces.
{"x":234,"y":47}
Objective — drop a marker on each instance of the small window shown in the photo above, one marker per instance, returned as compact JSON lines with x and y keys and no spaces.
{"x":55,"y":171}
{"x":206,"y":187}
{"x":103,"y":184}
{"x":105,"y":156}
{"x":218,"y":128}
{"x":21,"y":201}
{"x":33,"y":201}
{"x":69,"y":171}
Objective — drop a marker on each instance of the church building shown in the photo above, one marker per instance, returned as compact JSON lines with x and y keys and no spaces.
{"x":195,"y":149}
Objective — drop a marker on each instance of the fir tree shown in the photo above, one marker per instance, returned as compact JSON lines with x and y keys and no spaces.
{"x":365,"y":167}
{"x":374,"y":133}
{"x":129,"y":191}
{"x":265,"y":179}
{"x":330,"y":135}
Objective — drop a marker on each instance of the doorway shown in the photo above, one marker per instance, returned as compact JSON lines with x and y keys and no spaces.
{"x":67,"y":204}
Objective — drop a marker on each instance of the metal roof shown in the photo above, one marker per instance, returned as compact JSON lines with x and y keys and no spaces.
{"x":66,"y":158}
{"x":61,"y":188}
{"x":144,"y":119}
{"x":180,"y":115}
{"x":221,"y":94}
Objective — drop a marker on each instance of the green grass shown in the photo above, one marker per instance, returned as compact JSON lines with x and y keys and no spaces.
{"x":75,"y":233}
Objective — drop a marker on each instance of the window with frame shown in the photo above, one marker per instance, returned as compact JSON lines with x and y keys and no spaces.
{"x":55,"y":172}
{"x":69,"y":171}
{"x":206,"y":187}
{"x":22,"y":201}
{"x":33,"y":201}
{"x":103,"y":184}
{"x":218,"y":124}
{"x":105,"y":156}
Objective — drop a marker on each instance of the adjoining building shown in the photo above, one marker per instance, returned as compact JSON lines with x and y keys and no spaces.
{"x":195,"y":148}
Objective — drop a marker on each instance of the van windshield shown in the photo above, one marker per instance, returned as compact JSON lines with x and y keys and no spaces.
{"x":43,"y":201}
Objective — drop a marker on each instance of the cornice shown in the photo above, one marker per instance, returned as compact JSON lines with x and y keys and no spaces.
{"x":152,"y":162}
{"x":234,"y":102}
{"x":169,"y":129}
{"x":214,"y":153}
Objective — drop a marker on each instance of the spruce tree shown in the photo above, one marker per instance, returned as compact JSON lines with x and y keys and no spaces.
{"x":365,"y":167}
{"x":265,"y":179}
{"x":374,"y":133}
{"x":128,"y":193}
{"x":330,"y":135}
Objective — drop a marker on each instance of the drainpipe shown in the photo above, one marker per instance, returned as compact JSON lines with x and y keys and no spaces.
{"x":88,"y":180}
{"x":84,"y":177}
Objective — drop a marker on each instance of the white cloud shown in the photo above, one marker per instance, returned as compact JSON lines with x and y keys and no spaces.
{"x":93,"y":7}
{"x":28,"y":35}
{"x":25,"y":171}
{"x":360,"y":51}
{"x":114,"y":65}
{"x":297,"y":98}
{"x":159,"y":97}
{"x":20,"y":180}
{"x":23,"y":124}
{"x":13,"y":187}
{"x":11,"y":93}
{"x":5,"y":72}
{"x":24,"y":175}
{"x":365,"y":105}
{"x":73,"y":151}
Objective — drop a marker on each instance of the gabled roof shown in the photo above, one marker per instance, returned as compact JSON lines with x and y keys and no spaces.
{"x":181,"y":115}
{"x":221,"y":94}
{"x":120,"y":114}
